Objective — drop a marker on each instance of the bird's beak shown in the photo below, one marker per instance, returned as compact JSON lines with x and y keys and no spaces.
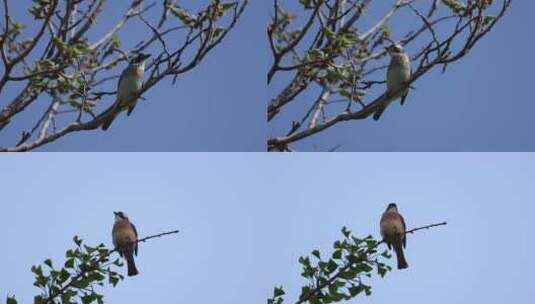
{"x":115,"y":212}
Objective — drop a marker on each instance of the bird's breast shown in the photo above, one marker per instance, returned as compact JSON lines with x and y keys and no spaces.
{"x":123,"y":234}
{"x":129,"y":87}
{"x":398,"y":74}
{"x":391,"y":225}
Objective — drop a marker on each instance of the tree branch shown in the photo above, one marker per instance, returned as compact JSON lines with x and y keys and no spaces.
{"x":94,"y":264}
{"x":314,"y":292}
{"x":79,"y":72}
{"x":348,"y":62}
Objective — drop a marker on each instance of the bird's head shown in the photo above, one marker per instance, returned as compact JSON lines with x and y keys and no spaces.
{"x":140,"y":58}
{"x":392,"y":205}
{"x":395,"y":49}
{"x":119,"y":215}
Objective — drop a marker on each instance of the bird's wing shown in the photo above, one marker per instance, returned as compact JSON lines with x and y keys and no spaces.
{"x":117,"y":103}
{"x":113,"y":235}
{"x":135,"y":232}
{"x":406,"y":92}
{"x":404,"y":96}
{"x":123,"y":74}
{"x":121,"y":79}
{"x":378,"y":113}
{"x":115,"y":106}
{"x":381,"y":109}
{"x":131,"y":108}
{"x":404,"y":229}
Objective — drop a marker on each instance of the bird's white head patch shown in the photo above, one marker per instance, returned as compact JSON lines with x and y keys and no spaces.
{"x":119,"y":215}
{"x":395,"y":49}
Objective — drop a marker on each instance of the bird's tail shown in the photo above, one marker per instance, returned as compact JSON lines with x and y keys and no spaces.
{"x":111,"y":113}
{"x":404,"y":96}
{"x":402,"y":263}
{"x":106,"y":124}
{"x":132,"y":270}
{"x":378,"y":113}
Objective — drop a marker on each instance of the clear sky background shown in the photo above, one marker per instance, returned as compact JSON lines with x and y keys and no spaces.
{"x":246,"y":218}
{"x":483,"y":102}
{"x":218,"y":106}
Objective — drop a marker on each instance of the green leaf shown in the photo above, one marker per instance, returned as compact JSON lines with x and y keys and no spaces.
{"x":381,"y":271}
{"x":95,"y":276}
{"x":307,"y":4}
{"x":118,"y":263}
{"x":355,"y":290}
{"x":345,"y":231}
{"x":11,"y":300}
{"x":87,"y":299}
{"x":64,"y":275}
{"x":48,"y":262}
{"x":115,"y":41}
{"x":331,"y":266}
{"x":38,"y":300}
{"x":77,"y":240}
{"x":337,"y":254}
{"x":305,"y":291}
{"x":65,"y":298}
{"x":488,"y":19}
{"x":113,"y":280}
{"x":386,"y":30}
{"x":69,"y":263}
{"x":348,"y":274}
{"x":316,"y":253}
{"x":229,"y":5}
{"x":186,"y":18}
{"x":37,"y":270}
{"x":363,"y":267}
{"x":278,"y":291}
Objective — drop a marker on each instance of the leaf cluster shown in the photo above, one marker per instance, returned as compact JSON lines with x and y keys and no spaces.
{"x":76,"y":280}
{"x":341,"y":275}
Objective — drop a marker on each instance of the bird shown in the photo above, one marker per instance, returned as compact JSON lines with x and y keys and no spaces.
{"x":397,"y":77}
{"x":129,"y":86}
{"x":393,"y":233}
{"x":124,"y":237}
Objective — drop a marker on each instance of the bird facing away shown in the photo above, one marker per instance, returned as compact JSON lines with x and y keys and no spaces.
{"x":393,"y":233}
{"x":129,"y":86}
{"x":124,"y":236}
{"x":397,"y":77}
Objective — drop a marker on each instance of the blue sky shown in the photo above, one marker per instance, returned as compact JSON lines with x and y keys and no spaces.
{"x":246,"y":218}
{"x":219,"y":106}
{"x":482,"y":103}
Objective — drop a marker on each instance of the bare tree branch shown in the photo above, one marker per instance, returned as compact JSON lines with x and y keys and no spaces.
{"x":77,"y":74}
{"x":327,"y":53}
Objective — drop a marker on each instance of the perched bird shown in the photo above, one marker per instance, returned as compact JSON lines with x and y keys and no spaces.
{"x":393,"y":233}
{"x":130,"y":83}
{"x":397,"y":77}
{"x":124,"y":236}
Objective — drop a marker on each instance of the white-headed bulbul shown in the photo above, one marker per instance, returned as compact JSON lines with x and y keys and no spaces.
{"x":393,"y":233}
{"x":129,"y":86}
{"x":124,"y":236}
{"x":397,"y":77}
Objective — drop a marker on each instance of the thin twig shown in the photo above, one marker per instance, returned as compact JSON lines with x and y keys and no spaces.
{"x":95,"y":264}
